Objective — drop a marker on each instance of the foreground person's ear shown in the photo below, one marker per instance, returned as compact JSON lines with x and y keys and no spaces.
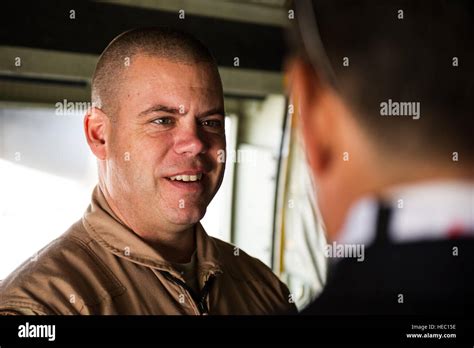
{"x":95,"y":125}
{"x":318,"y":106}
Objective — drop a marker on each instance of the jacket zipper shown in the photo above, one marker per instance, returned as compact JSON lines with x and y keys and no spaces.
{"x":199,"y":300}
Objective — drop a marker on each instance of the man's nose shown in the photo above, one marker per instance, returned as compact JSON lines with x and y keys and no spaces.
{"x":189,"y":140}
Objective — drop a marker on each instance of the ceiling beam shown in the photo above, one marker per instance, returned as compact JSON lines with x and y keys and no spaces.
{"x":55,"y":70}
{"x":236,"y":11}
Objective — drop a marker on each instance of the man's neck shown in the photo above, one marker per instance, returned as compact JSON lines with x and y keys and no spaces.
{"x":173,"y":244}
{"x":178,"y":249}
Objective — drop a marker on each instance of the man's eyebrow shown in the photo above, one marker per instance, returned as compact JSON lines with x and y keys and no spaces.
{"x":158,"y":108}
{"x":172,"y":110}
{"x":216,"y":111}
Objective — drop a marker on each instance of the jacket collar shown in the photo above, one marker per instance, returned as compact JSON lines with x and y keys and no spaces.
{"x":425,"y":211}
{"x":112,"y":234}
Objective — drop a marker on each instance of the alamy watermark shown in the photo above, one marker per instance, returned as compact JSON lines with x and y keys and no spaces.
{"x":336,"y":250}
{"x":394,"y":108}
{"x":238,"y":156}
{"x":67,"y":108}
{"x":37,"y":331}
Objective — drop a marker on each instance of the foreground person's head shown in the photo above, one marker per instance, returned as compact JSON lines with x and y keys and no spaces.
{"x":156,"y":128}
{"x":385,"y":96}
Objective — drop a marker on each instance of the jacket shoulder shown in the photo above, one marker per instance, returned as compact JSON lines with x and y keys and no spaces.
{"x":257,"y":276}
{"x":241,"y":264}
{"x":64,"y":277}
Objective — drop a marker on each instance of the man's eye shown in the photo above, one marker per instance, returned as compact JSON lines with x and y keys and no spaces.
{"x":212,"y":123}
{"x":163,"y":121}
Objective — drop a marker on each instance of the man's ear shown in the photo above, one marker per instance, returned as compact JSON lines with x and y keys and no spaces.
{"x":314,"y":101}
{"x":95,"y":127}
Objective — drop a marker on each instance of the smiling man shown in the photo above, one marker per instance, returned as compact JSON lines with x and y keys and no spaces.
{"x":156,"y":128}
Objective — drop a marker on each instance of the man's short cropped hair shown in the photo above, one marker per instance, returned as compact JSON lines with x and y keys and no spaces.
{"x":162,"y":42}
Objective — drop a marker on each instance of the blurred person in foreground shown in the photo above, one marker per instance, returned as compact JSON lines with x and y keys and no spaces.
{"x":157,"y":130}
{"x":385,"y":94}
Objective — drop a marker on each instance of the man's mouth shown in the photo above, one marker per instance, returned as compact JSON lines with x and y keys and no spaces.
{"x":186,"y":177}
{"x":191,"y":181}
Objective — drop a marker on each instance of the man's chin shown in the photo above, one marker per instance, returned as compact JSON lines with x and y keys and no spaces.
{"x":188,"y":216}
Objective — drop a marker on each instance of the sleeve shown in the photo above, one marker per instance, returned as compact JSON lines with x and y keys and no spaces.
{"x":18,"y":311}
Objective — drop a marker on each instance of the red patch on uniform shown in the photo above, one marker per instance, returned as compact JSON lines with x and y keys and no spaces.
{"x":455,"y":231}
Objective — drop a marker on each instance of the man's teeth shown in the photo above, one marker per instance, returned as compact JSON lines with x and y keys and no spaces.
{"x":196,"y":177}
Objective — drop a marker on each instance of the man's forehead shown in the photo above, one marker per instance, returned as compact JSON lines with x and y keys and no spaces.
{"x":168,"y":72}
{"x":177,"y":96}
{"x":151,"y":81}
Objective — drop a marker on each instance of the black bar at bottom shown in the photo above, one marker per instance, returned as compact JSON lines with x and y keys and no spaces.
{"x":261,"y":330}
